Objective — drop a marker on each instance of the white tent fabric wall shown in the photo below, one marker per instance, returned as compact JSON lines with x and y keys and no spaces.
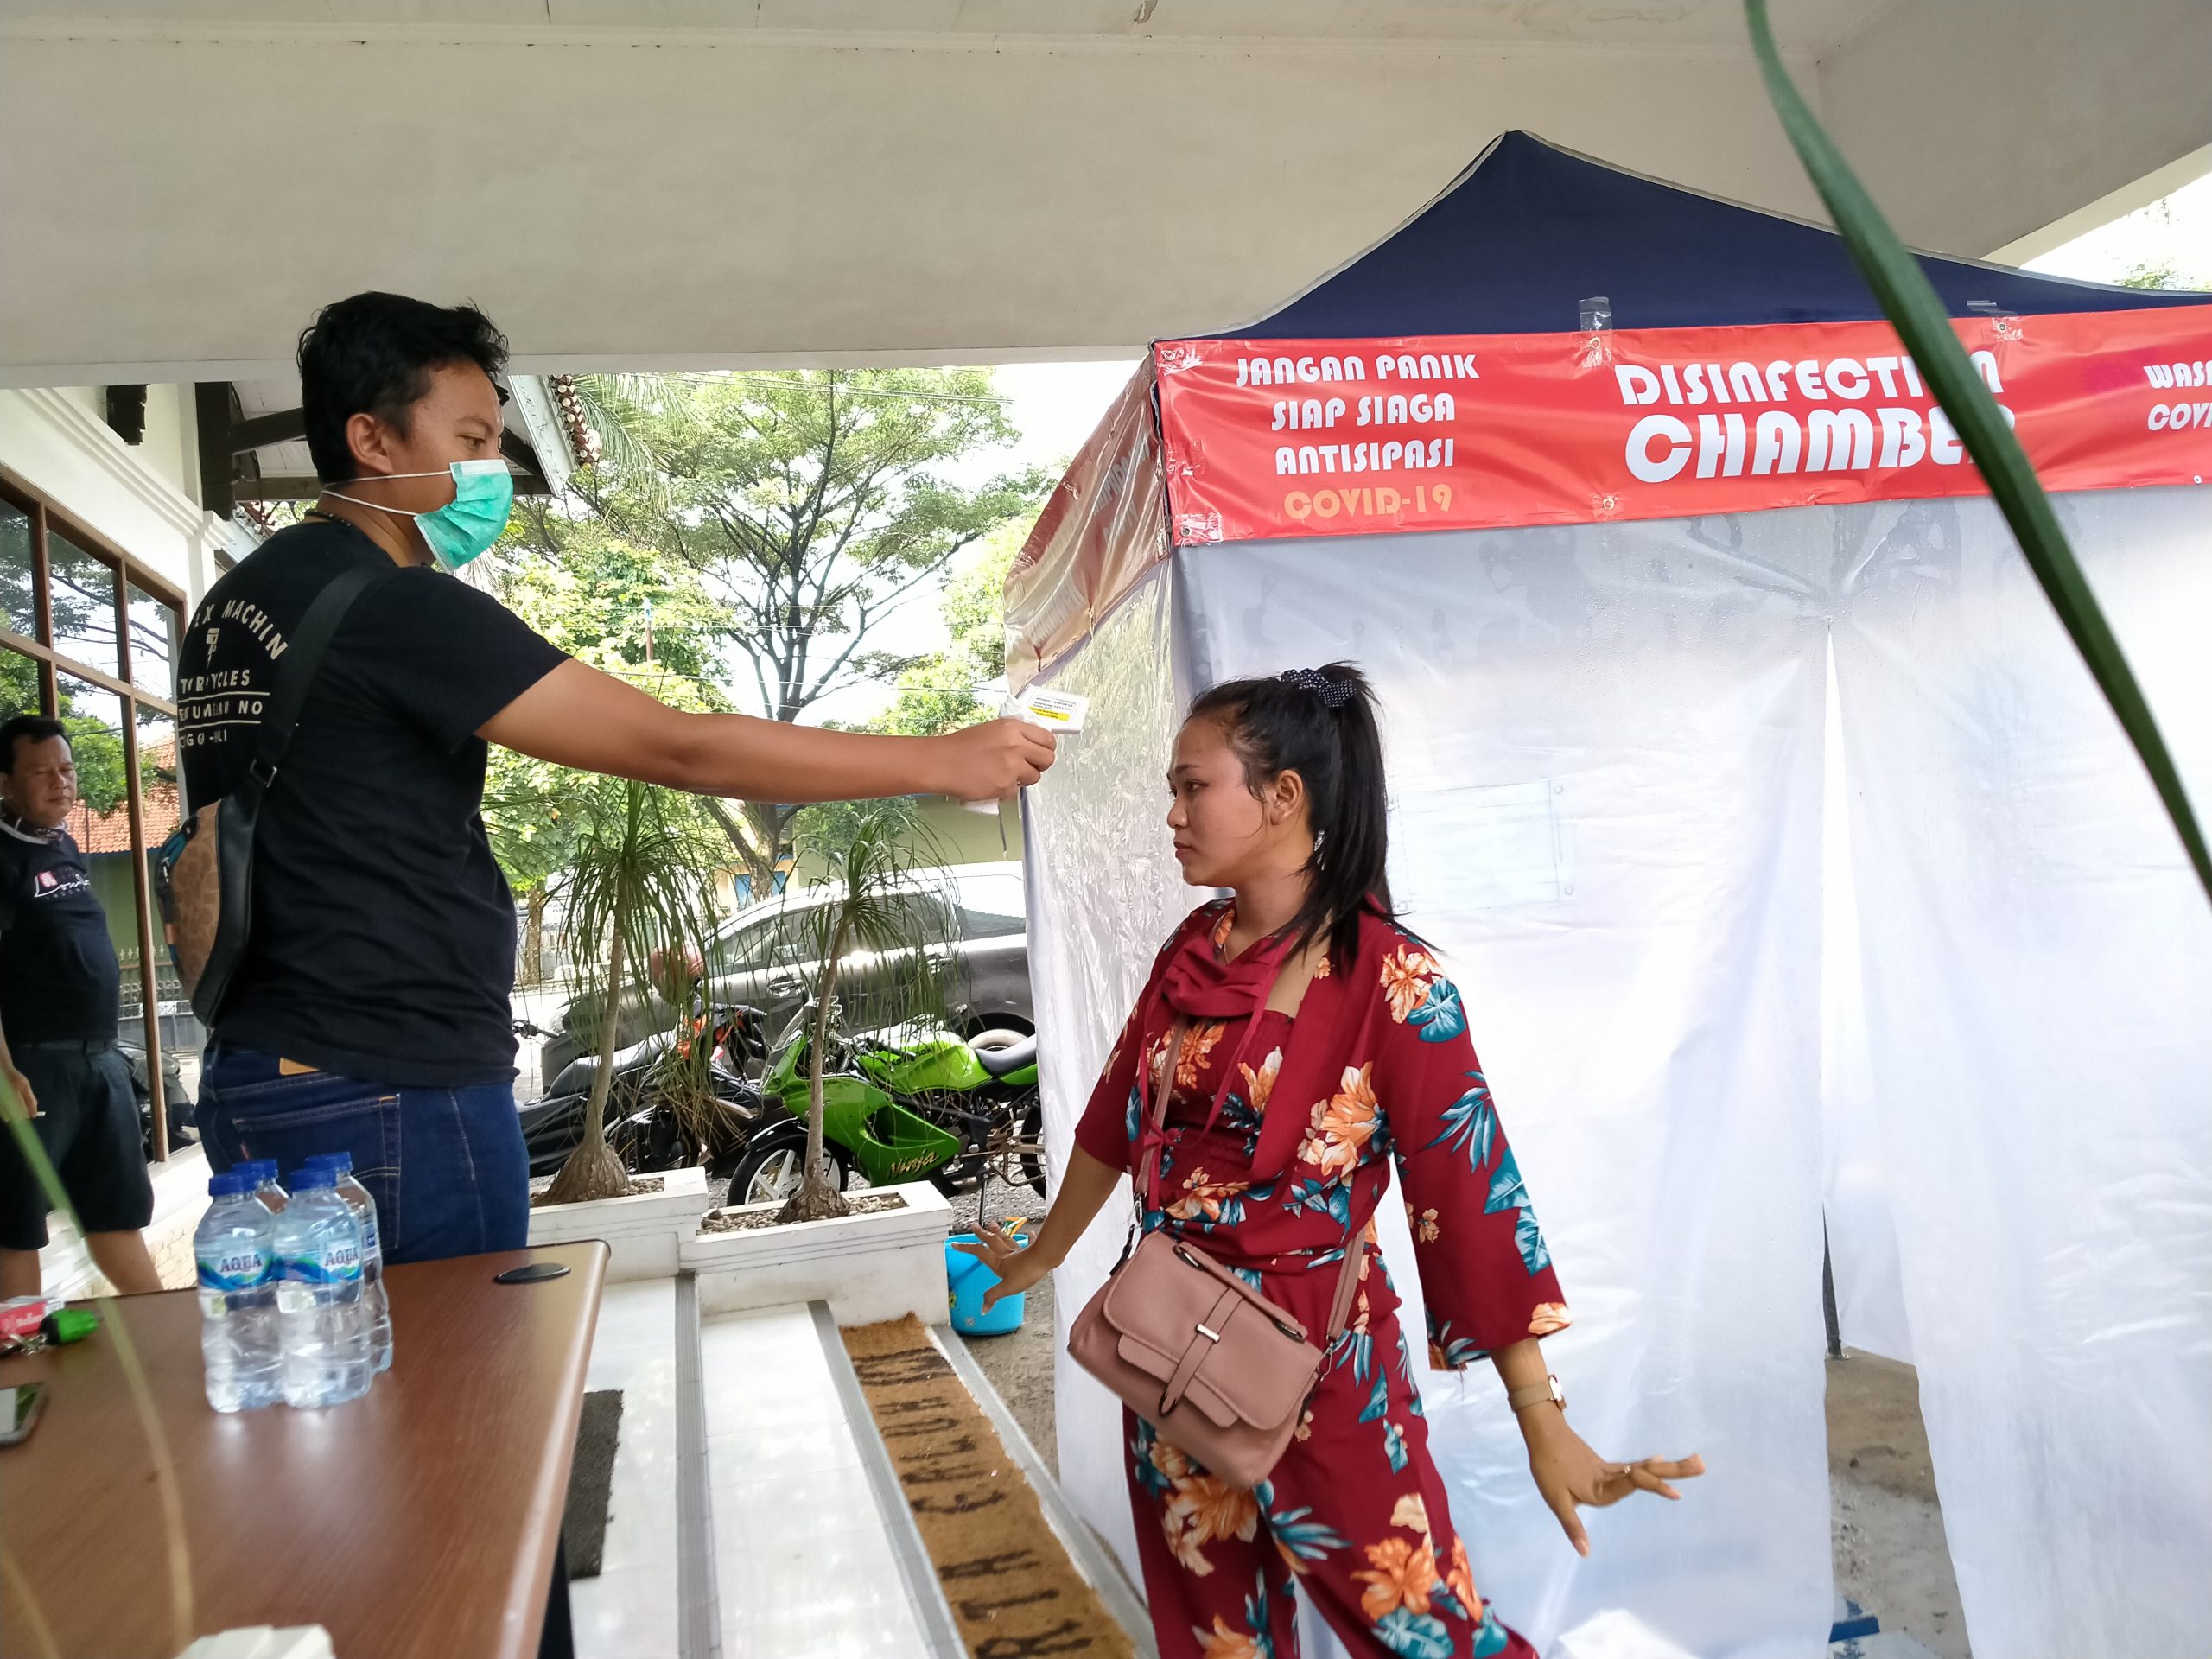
{"x":1862,"y":1236}
{"x":1104,"y":892}
{"x":1613,"y":753}
{"x":1605,"y":751}
{"x":2037,"y":973}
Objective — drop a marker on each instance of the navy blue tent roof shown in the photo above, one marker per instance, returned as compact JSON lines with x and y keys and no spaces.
{"x":1529,"y":230}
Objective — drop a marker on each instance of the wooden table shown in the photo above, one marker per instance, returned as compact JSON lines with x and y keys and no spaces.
{"x":419,"y":1519}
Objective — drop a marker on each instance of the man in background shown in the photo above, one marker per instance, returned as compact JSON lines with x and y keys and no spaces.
{"x":59,"y":986}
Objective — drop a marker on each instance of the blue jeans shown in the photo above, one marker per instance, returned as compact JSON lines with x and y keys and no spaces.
{"x":446,"y":1166}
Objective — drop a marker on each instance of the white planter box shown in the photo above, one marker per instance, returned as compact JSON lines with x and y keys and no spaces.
{"x":644,"y":1232}
{"x":868,"y":1268}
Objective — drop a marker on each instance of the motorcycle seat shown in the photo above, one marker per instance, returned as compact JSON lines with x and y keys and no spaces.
{"x":999,"y":1061}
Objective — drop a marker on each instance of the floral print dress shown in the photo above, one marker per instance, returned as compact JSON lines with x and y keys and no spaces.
{"x":1355,"y":1511}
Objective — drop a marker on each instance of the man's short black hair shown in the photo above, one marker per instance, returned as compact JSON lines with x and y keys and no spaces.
{"x":372,"y":354}
{"x":36,"y":727}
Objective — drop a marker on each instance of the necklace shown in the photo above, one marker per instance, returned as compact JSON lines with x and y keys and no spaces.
{"x":22,"y":831}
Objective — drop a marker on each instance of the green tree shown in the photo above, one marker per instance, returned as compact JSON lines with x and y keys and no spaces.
{"x":630,"y":610}
{"x":2166,"y":274}
{"x":18,"y":683}
{"x":810,"y":505}
{"x":96,"y":747}
{"x":951,"y":688}
{"x":79,"y":614}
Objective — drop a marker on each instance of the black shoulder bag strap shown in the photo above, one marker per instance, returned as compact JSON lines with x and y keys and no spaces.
{"x":294,"y":671}
{"x":208,"y":907}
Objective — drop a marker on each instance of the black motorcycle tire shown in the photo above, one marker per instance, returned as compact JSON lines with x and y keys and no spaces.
{"x":1031,"y":1129}
{"x":651,"y":1148}
{"x":964,"y":1174}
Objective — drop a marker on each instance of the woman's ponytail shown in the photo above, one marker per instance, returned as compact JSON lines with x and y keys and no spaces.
{"x":1319,"y":723}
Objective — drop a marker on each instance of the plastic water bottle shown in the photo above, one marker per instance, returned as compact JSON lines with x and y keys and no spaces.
{"x":238,"y":1337}
{"x":376,"y":1306}
{"x":266,"y":1187}
{"x":325,"y":1340}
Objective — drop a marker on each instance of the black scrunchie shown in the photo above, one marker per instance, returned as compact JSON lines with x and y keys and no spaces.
{"x":1334,"y":693}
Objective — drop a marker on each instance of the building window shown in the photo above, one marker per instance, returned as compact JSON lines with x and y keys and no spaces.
{"x":88,"y":635}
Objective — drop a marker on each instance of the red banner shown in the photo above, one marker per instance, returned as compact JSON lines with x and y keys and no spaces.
{"x":1273,"y":438}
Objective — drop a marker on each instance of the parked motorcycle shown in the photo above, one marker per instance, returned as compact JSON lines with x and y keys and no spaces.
{"x":911,"y":1103}
{"x":648,"y":1126}
{"x":176,"y":1103}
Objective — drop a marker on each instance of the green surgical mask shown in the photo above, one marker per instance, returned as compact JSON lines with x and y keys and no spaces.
{"x":463,"y":529}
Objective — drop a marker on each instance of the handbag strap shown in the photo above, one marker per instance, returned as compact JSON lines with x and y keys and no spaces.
{"x":1148,"y":1171}
{"x":1355,"y":1246}
{"x":302,"y":656}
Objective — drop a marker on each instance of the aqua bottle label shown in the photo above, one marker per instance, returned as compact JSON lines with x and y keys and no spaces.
{"x":230,"y":1270}
{"x":338,"y":1265}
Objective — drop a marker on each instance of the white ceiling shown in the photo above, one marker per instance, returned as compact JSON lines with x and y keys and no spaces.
{"x":1809,"y":26}
{"x":682,"y":184}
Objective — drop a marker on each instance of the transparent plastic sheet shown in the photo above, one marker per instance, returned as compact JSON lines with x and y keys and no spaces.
{"x":1862,"y":1236}
{"x":1605,"y":760}
{"x":1103,"y":526}
{"x":2038,"y":976}
{"x":1104,"y":892}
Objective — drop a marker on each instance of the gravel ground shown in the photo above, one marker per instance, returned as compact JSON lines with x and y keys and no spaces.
{"x":1020,"y":1363}
{"x":1887,"y":1526}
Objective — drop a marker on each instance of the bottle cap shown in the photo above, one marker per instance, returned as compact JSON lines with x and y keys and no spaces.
{"x":231,"y":1183}
{"x":313,"y":1177}
{"x":263,"y":1170}
{"x":340,"y":1161}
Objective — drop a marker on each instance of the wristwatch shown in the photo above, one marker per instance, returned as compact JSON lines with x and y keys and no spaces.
{"x":1537,"y":1394}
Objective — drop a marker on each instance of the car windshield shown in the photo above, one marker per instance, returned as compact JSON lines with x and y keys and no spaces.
{"x":748,"y":946}
{"x":991,"y":907}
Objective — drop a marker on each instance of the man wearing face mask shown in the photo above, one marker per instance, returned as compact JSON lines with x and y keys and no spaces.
{"x":370,"y":1014}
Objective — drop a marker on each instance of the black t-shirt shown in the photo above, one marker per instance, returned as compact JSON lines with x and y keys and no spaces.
{"x":383,"y":943}
{"x":58,"y":976}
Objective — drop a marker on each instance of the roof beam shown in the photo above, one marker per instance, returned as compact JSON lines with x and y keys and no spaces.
{"x":259,"y":431}
{"x":214,"y":406}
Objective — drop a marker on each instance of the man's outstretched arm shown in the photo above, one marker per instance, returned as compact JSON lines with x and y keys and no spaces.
{"x":578,"y":716}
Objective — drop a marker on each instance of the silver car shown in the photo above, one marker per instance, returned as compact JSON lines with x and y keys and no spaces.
{"x":972,"y":912}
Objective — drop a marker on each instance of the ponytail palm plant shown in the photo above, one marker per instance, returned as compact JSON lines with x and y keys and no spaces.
{"x":882,"y":906}
{"x":639,"y":883}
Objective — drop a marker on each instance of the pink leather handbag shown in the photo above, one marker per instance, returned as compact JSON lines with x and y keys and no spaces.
{"x":1220,"y":1372}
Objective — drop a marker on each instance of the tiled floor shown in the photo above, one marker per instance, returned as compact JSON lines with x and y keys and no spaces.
{"x":629,"y":1611}
{"x":803,"y":1568}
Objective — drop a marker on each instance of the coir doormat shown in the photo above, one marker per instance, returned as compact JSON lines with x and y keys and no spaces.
{"x":1013,"y":1590}
{"x":591,"y":1483}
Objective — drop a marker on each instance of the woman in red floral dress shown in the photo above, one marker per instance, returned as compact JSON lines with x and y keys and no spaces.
{"x":1324,"y":1044}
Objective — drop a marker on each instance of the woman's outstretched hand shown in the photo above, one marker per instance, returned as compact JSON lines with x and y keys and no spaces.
{"x":1569,"y":1474}
{"x":1018,"y":1266}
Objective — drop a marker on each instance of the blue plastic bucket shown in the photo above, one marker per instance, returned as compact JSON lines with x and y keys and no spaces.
{"x":967,"y":1279}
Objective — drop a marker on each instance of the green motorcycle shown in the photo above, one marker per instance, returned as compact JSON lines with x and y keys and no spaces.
{"x":913,"y":1102}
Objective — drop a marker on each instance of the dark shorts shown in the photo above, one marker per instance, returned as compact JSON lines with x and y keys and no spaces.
{"x":446,"y":1167}
{"x":88,"y":1123}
